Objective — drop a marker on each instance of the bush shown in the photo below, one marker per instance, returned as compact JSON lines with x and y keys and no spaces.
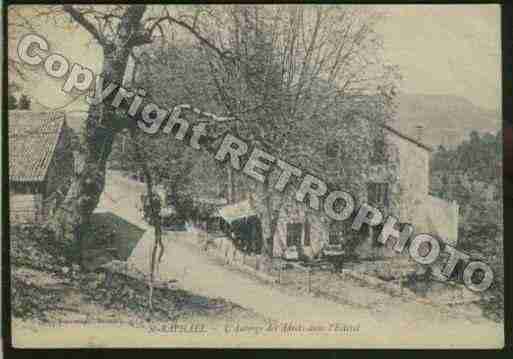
{"x":36,"y":247}
{"x":30,"y":301}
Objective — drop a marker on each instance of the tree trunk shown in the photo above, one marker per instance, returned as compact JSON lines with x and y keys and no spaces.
{"x":272,"y":219}
{"x":155,"y":221}
{"x":89,"y":177}
{"x":266,"y":247}
{"x":230,"y":184}
{"x":97,"y":138}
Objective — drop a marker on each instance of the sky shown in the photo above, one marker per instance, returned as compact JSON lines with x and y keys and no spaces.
{"x":446,"y":49}
{"x":440,"y":49}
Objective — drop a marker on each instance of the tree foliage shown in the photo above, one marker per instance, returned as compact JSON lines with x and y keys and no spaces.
{"x":12,"y":102}
{"x":290,"y":71}
{"x":274,"y":68}
{"x":24,"y":103}
{"x":471,"y":174}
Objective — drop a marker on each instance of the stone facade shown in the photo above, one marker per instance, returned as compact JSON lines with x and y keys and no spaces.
{"x":399,"y":177}
{"x":312,"y":235}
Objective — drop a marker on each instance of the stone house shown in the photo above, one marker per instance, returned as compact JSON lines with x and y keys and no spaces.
{"x":396,"y":180}
{"x":40,"y":164}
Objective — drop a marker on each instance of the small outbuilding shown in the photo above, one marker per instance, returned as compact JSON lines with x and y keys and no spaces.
{"x":40,"y":164}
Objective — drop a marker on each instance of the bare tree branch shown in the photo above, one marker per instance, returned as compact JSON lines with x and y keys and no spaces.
{"x":79,"y":18}
{"x":192,"y":29}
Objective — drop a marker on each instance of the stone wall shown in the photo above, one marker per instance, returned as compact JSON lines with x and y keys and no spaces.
{"x":25,"y":208}
{"x":439,"y":217}
{"x":410,"y":193}
{"x":412,"y":172}
{"x":404,"y":167}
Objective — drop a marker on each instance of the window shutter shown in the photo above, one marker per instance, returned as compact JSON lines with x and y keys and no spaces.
{"x":385,"y":194}
{"x":378,"y":194}
{"x":307,"y":233}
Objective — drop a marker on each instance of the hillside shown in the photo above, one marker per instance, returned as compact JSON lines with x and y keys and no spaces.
{"x":447,"y":119}
{"x":47,"y":292}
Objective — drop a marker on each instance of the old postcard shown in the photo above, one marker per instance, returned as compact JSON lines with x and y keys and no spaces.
{"x":257,"y":176}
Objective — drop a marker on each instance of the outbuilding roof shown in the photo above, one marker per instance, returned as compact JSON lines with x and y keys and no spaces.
{"x":33,"y":137}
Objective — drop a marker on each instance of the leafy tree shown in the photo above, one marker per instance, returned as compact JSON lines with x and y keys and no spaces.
{"x":294,"y":66}
{"x":182,"y":170}
{"x":12,"y":102}
{"x":276,"y":69}
{"x":471,"y":174}
{"x":119,"y":30}
{"x":24,"y":102}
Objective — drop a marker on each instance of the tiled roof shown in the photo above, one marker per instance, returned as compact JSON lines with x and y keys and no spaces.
{"x":32,"y":140}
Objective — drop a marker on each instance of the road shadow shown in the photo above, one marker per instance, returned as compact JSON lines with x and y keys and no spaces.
{"x":110,"y":237}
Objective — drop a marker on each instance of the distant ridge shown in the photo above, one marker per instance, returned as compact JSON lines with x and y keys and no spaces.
{"x":446,"y":119}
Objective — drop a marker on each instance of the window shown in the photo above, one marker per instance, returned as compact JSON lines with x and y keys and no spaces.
{"x":332,"y":149}
{"x":336,"y":232}
{"x":378,"y":194}
{"x":378,"y":154}
{"x":294,"y":231}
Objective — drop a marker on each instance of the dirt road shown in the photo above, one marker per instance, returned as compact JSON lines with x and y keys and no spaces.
{"x":408,"y":323}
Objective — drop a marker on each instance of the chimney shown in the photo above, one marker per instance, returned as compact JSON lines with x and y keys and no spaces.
{"x":419,"y":132}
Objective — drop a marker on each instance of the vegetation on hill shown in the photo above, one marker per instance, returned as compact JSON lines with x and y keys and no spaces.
{"x":471,"y":174}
